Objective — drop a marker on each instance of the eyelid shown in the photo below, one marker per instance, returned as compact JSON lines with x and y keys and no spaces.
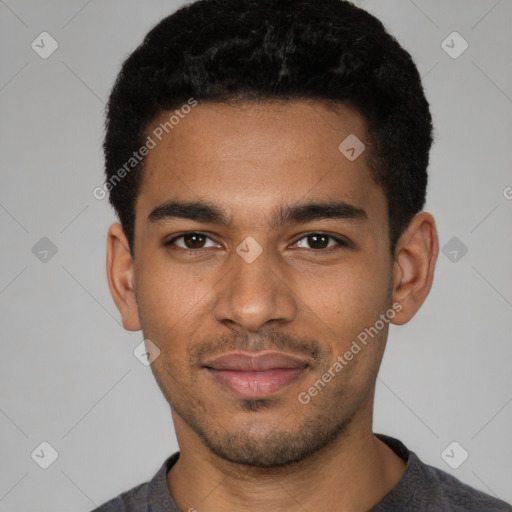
{"x":340,"y":241}
{"x":172,"y":240}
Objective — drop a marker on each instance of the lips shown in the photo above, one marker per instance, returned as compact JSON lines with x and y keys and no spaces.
{"x":255,"y":375}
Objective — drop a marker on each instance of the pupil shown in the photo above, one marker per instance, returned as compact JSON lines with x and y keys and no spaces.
{"x":318,"y":241}
{"x":194,"y":241}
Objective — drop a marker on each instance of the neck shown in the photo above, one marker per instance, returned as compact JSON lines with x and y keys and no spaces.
{"x":354,"y":472}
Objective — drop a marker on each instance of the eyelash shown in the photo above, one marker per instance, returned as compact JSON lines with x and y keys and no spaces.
{"x":195,"y":252}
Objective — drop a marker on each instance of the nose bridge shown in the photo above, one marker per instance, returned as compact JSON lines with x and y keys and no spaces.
{"x":254,"y":291}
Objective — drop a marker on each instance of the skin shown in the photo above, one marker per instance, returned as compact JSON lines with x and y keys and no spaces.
{"x":298,"y":294}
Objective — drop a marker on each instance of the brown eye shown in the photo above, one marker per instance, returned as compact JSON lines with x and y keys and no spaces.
{"x":318,"y":241}
{"x":194,"y":241}
{"x":191,"y":241}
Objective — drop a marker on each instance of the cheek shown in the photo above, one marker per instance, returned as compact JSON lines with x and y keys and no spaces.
{"x":164,"y":304}
{"x":167,"y":302}
{"x":346,"y":309}
{"x":347,"y":299}
{"x":167,"y":294}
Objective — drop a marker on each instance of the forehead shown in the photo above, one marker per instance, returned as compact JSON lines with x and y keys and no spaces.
{"x":253,"y":156}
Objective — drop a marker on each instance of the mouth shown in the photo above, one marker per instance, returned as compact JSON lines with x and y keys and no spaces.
{"x":255,"y":374}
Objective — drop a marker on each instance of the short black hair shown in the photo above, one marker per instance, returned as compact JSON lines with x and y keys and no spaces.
{"x":268,"y":50}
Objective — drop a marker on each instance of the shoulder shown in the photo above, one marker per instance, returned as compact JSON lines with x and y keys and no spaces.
{"x":153,"y":495}
{"x":133,"y":500}
{"x":452,"y":494}
{"x":425,"y":488}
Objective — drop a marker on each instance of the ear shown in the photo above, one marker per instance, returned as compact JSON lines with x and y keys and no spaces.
{"x":413,"y":269}
{"x":121,"y":277}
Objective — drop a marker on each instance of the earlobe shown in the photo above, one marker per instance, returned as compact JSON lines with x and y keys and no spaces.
{"x":121,"y":277}
{"x":413,"y":272}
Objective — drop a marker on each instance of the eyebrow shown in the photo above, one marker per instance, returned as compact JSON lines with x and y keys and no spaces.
{"x":195,"y":210}
{"x":302,"y":213}
{"x":201,"y":211}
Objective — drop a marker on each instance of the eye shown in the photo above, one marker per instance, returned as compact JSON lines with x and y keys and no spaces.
{"x":192,"y":241}
{"x":318,"y":241}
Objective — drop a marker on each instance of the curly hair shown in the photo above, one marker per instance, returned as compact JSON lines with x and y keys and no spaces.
{"x":267,"y":50}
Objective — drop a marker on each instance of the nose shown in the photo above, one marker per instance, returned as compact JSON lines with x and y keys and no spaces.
{"x":255,"y":293}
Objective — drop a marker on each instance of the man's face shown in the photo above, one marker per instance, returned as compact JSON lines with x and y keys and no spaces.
{"x":242,"y":333}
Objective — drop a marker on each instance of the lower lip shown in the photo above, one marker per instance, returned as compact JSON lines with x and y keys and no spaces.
{"x":256,"y":384}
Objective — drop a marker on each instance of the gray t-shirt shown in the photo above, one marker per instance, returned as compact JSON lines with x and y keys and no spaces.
{"x":422,"y":488}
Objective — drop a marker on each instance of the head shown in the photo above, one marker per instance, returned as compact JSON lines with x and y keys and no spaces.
{"x":275,"y":164}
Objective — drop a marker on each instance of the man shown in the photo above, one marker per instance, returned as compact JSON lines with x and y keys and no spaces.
{"x":267,"y":160}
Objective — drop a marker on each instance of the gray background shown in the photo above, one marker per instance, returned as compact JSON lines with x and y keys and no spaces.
{"x":68,"y":374}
